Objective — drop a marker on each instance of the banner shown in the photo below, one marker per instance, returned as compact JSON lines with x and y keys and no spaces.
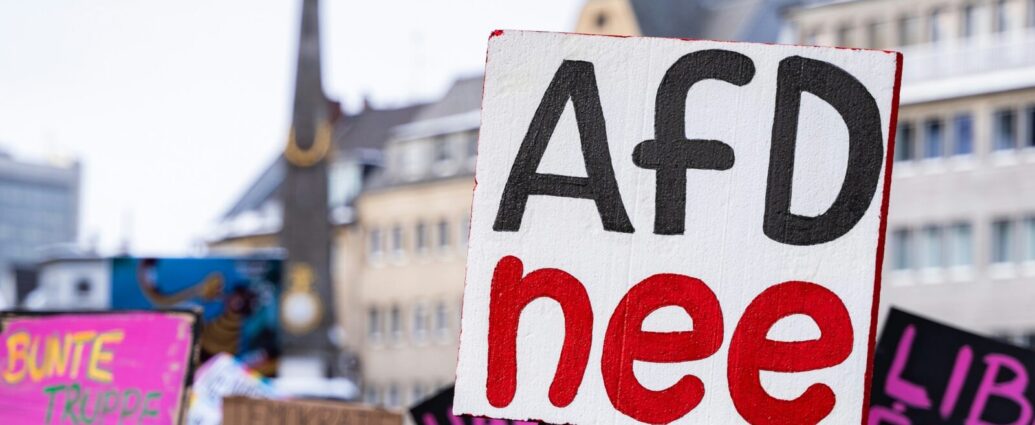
{"x":85,"y":368}
{"x":238,"y":297}
{"x":928,"y":373}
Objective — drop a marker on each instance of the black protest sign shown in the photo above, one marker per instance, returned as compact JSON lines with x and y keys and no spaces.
{"x":928,"y":373}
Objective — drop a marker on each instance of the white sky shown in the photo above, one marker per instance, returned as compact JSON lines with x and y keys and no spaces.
{"x":174,"y":107}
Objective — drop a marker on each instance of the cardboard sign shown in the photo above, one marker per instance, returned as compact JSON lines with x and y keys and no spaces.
{"x":669,"y":230}
{"x":929,"y":373}
{"x":438,"y":410}
{"x":81,"y":368}
{"x":250,"y":411}
{"x":223,"y":376}
{"x":238,"y":298}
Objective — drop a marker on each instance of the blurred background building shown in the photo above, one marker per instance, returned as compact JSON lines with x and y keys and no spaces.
{"x":961,"y":230}
{"x":39,"y":210}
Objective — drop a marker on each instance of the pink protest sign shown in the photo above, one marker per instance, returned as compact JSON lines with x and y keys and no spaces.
{"x":82,"y":368}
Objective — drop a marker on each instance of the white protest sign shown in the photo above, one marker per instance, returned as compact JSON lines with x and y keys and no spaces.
{"x":223,"y":376}
{"x":675,"y":231}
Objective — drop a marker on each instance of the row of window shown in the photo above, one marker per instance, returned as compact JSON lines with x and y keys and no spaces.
{"x":938,"y":137}
{"x":930,"y":27}
{"x":938,"y":246}
{"x":442,"y":155}
{"x":426,"y":323}
{"x":391,"y":395}
{"x":392,"y":240}
{"x":29,"y":196}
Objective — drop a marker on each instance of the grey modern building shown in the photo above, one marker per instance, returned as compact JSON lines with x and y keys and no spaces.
{"x":961,"y":226}
{"x":39,"y":208}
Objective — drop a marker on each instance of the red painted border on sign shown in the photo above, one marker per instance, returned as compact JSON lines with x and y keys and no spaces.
{"x":889,"y":162}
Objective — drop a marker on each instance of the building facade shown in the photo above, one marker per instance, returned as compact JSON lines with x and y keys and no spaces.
{"x":414,"y":218}
{"x":39,"y":208}
{"x":961,"y":225}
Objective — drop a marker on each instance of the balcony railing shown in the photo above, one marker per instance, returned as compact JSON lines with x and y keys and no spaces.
{"x":968,"y":56}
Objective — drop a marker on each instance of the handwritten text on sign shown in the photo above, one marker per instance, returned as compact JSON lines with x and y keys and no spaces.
{"x":929,"y":373}
{"x":669,"y":230}
{"x":94,"y":368}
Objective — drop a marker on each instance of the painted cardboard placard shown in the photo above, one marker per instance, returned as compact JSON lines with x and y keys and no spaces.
{"x":438,"y":410}
{"x":81,"y":368}
{"x":926,"y":372}
{"x":238,"y":297}
{"x":252,"y":411}
{"x":676,"y":231}
{"x":223,"y":376}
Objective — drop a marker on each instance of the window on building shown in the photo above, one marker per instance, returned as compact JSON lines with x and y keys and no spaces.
{"x":933,"y":138}
{"x":421,"y":236}
{"x":373,"y":323}
{"x":442,"y":151}
{"x":412,"y":161}
{"x":392,"y":396}
{"x":374,"y":244}
{"x":83,"y":287}
{"x":418,"y":392}
{"x":371,"y":394}
{"x":443,"y":234}
{"x":934,"y":26}
{"x":902,"y":244}
{"x":844,"y":35}
{"x":1029,"y":239}
{"x":904,"y":142}
{"x":397,"y":240}
{"x":420,"y":322}
{"x":1031,"y":13}
{"x":908,"y":30}
{"x":932,"y":247}
{"x":963,"y":134}
{"x":1005,"y":130}
{"x":472,"y":145}
{"x":968,"y":24}
{"x":961,"y":245}
{"x":875,"y":35}
{"x":1029,"y":140}
{"x":441,"y":319}
{"x":1002,"y":241}
{"x":395,"y":322}
{"x":1002,"y":16}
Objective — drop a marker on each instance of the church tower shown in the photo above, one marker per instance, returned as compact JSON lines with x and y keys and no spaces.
{"x":306,"y":309}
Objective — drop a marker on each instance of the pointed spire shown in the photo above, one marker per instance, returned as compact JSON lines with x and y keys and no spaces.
{"x":310,"y":102}
{"x":306,"y":312}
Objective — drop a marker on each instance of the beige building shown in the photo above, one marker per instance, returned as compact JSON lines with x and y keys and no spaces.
{"x":411,"y":250}
{"x":961,"y":229}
